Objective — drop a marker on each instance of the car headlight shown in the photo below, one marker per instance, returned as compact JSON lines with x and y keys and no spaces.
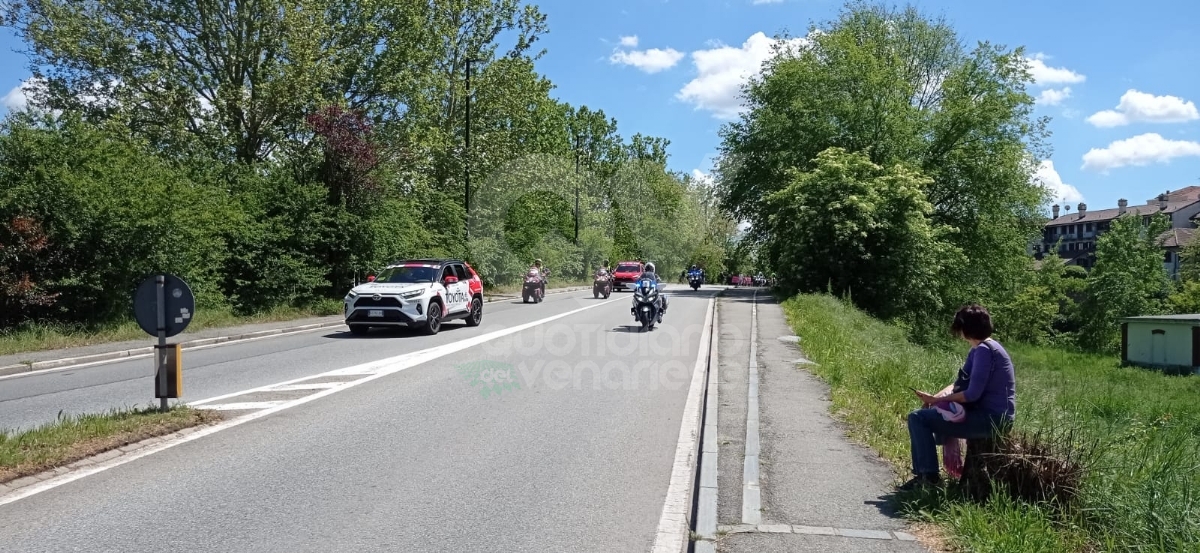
{"x":351,"y":295}
{"x":412,"y":294}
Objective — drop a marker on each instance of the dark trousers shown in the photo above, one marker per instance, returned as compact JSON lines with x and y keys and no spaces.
{"x":927,"y":429}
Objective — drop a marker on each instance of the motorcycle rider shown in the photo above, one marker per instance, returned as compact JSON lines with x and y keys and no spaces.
{"x":542,"y":273}
{"x":648,"y":273}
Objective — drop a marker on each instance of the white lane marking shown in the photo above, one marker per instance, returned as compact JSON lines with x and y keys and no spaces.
{"x":147,"y":355}
{"x":245,"y":405}
{"x":751,"y":490}
{"x":673,"y":524}
{"x":302,"y":387}
{"x":186,"y":348}
{"x":384,"y":367}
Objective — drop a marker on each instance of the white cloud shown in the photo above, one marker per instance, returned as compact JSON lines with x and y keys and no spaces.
{"x":1143,"y":149}
{"x":649,"y":61}
{"x":629,"y":41}
{"x":17,"y":99}
{"x":701,"y":177}
{"x":1139,"y":107}
{"x":1049,"y":177}
{"x":1045,"y":75}
{"x":721,"y":72}
{"x":1054,"y":96}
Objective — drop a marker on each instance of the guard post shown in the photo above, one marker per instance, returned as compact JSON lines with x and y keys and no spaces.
{"x":163,"y":306}
{"x":169,"y":383}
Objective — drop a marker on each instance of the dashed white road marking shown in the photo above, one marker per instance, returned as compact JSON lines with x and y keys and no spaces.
{"x":302,"y":387}
{"x":373,"y":370}
{"x":245,"y":405}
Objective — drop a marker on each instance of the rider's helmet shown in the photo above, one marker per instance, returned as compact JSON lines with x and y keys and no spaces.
{"x":537,"y":263}
{"x":650,"y":267}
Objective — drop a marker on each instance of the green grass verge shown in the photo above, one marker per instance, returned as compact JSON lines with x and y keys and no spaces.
{"x":1139,"y":431}
{"x":73,"y":438}
{"x":39,"y":337}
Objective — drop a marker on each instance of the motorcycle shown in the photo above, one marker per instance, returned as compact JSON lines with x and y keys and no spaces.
{"x":695,"y":280}
{"x":534,"y":287}
{"x":602,"y":285}
{"x":645,"y":303}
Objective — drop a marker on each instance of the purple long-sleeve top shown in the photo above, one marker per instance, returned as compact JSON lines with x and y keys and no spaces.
{"x":988,"y":380}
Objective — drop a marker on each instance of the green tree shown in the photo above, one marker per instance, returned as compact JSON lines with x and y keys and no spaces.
{"x":1128,"y":279}
{"x":1045,"y":306}
{"x":112,"y":212}
{"x":868,"y":226}
{"x":900,"y":88}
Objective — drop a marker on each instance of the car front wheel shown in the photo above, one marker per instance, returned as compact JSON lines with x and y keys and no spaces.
{"x":433,"y":321}
{"x":476,"y":315}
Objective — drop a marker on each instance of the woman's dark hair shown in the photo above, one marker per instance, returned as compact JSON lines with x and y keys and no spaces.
{"x":972,"y":321}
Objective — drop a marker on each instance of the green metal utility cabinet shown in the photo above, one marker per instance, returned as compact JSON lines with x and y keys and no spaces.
{"x":1161,"y":341}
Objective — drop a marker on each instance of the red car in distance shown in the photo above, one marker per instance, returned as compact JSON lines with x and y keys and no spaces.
{"x":626,"y":273}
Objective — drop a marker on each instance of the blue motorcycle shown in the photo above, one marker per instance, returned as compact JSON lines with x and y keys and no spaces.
{"x":646,"y":303}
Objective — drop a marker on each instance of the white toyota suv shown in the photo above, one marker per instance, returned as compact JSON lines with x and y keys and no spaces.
{"x":421,"y":293}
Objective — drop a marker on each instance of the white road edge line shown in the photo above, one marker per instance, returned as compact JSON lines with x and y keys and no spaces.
{"x":673,"y":524}
{"x":382,"y":368}
{"x":751,"y":490}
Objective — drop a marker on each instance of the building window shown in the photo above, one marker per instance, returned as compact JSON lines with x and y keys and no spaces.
{"x":1167,"y":258}
{"x":1088,"y":227}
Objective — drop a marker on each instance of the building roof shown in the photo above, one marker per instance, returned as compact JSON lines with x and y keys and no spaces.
{"x":1178,"y":237}
{"x":1187,"y":318}
{"x":1175,"y":201}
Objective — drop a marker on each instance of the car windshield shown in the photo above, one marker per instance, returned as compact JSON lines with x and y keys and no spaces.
{"x":628,"y":268}
{"x":406,"y":274}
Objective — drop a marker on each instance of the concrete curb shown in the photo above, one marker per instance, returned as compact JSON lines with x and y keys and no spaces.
{"x":706,"y":518}
{"x":36,"y":366}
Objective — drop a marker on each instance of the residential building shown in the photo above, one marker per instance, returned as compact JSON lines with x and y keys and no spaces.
{"x":1078,"y":231}
{"x":1173,"y":242}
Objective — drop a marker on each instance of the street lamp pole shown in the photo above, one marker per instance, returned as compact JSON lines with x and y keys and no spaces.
{"x":577,"y":189}
{"x":467,"y":163}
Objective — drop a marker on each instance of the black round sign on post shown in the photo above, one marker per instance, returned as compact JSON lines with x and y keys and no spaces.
{"x":178,"y":299}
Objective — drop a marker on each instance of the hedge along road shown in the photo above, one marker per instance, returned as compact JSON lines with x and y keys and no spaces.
{"x":35,"y":398}
{"x":572,"y":459}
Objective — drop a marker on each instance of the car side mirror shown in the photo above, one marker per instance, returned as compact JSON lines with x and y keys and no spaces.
{"x":451,"y":279}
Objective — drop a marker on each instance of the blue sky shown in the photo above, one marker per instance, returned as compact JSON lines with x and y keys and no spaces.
{"x":1118,"y":79}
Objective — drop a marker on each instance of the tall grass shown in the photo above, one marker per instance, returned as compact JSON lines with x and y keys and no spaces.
{"x":72,"y":438}
{"x":1139,"y":429}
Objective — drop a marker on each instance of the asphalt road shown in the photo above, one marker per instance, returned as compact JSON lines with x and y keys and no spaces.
{"x":578,"y":458}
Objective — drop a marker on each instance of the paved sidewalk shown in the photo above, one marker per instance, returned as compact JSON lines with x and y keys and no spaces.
{"x":819,"y":491}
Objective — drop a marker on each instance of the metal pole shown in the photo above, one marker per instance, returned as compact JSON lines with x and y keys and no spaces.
{"x":467,"y":196}
{"x":161,"y":305}
{"x":576,"y":190}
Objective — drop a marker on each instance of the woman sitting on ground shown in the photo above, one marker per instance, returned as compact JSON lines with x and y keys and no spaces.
{"x":985,"y":387}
